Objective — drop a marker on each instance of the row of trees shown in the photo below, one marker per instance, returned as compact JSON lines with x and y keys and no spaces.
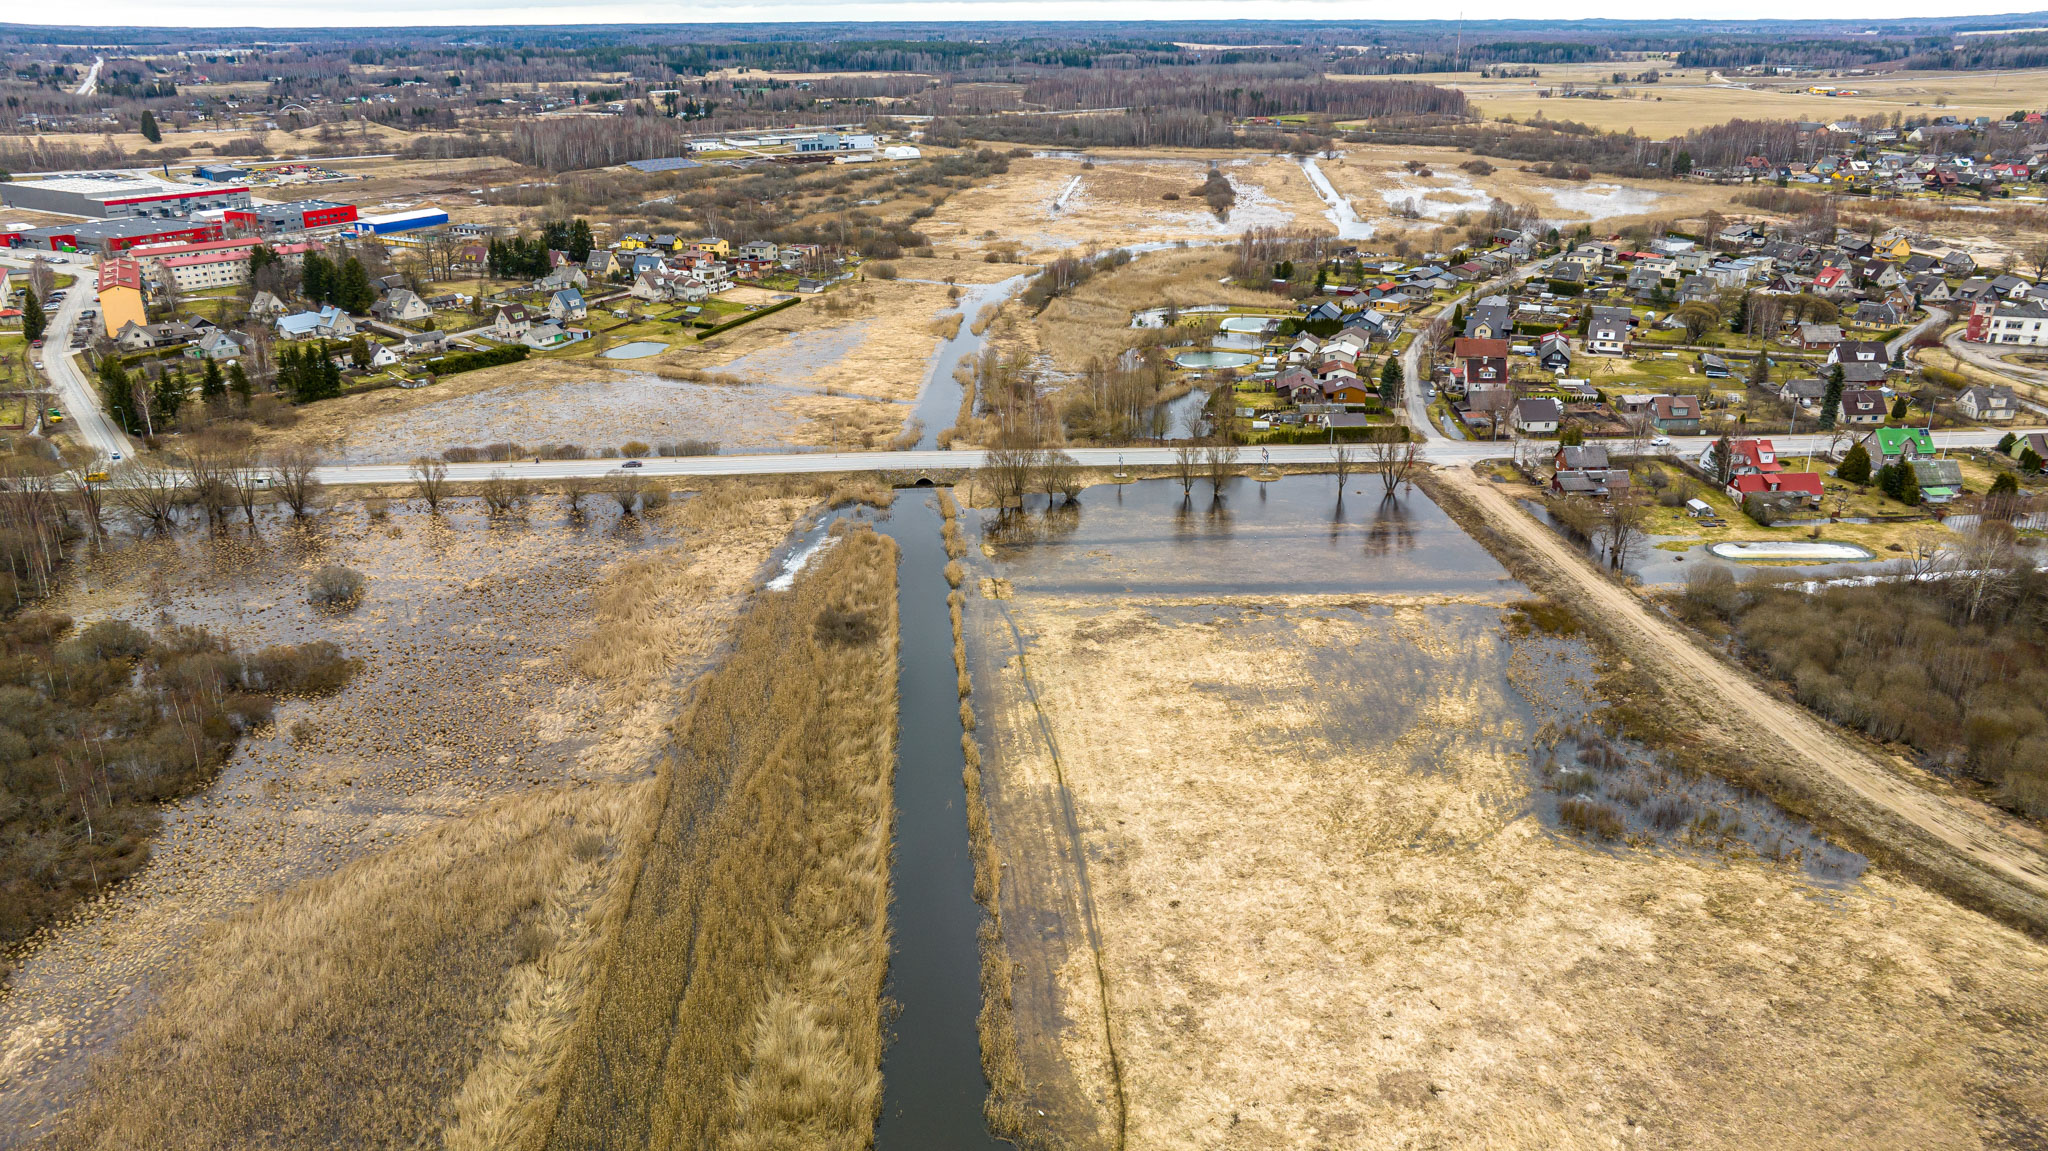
{"x":346,"y":284}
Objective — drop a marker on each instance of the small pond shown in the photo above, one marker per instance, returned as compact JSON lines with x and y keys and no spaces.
{"x":637,"y":350}
{"x":1817,"y":550}
{"x":1250,"y":323}
{"x":1212,"y":358}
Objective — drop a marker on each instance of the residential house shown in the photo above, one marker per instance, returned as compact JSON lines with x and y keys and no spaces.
{"x":1862,"y":407}
{"x":1346,"y":388}
{"x":1537,"y":416}
{"x":644,"y":262}
{"x":566,"y":276}
{"x":1875,"y":314}
{"x":1480,"y":361}
{"x":1940,"y":480}
{"x":760,"y":250}
{"x":1608,"y":331}
{"x":545,"y":335}
{"x":1781,"y":488}
{"x":1958,"y":263}
{"x":1298,"y":386}
{"x":1676,"y":414}
{"x":566,"y":305}
{"x":425,"y":343}
{"x":266,"y":306}
{"x":1750,"y":456}
{"x":401,"y":305}
{"x":328,"y":323}
{"x":215,"y":345}
{"x":2036,"y":442}
{"x":1805,"y":393}
{"x":134,"y":337}
{"x":1554,"y":352}
{"x":1489,"y":319}
{"x":1819,"y":335}
{"x":511,"y":322}
{"x":1988,"y":405}
{"x":1713,"y":367}
{"x":713,"y":245}
{"x":601,"y":262}
{"x":1891,"y":445}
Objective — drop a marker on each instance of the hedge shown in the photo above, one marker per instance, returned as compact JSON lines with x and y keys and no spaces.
{"x":729,"y":325}
{"x":470,"y":361}
{"x":1398,"y":433}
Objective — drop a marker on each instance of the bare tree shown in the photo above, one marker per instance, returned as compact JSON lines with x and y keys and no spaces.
{"x":206,"y":473}
{"x":246,"y":480}
{"x":151,"y":489}
{"x":1187,"y":462}
{"x":1394,"y":459}
{"x":1059,"y":474}
{"x":1011,"y":471}
{"x":503,"y":494}
{"x":1220,"y":461}
{"x":87,"y":495}
{"x":1988,"y":569}
{"x":576,"y":489}
{"x":42,"y":278}
{"x":1340,"y":458}
{"x":1624,"y":529}
{"x":291,"y":470}
{"x":430,"y":481}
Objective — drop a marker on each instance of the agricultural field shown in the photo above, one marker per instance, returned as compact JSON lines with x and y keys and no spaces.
{"x":1699,"y":98}
{"x":1315,"y":886}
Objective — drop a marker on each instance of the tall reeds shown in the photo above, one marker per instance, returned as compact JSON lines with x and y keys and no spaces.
{"x":740,"y":1000}
{"x":1004,"y":1106}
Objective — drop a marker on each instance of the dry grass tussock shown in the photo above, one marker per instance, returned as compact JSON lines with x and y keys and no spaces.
{"x":413,"y":998}
{"x":651,"y":610}
{"x":740,"y":1000}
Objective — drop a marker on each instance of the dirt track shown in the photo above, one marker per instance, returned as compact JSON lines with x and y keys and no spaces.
{"x":1995,"y":858}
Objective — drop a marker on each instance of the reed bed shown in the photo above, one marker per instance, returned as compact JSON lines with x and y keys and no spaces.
{"x":408,"y":1000}
{"x":1004,"y":1107}
{"x":740,"y":998}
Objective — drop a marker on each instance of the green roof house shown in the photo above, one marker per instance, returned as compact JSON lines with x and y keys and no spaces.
{"x":1940,"y":480}
{"x":1890,"y":445}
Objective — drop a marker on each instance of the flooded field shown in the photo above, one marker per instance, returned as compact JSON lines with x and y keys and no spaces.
{"x":606,"y":411}
{"x":1312,"y":839}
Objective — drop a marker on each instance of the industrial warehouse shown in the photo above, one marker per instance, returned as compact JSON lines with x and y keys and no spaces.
{"x":119,"y":196}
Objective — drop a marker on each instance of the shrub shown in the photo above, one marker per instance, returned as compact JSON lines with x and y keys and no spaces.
{"x":1855,"y":466}
{"x":635,"y":448}
{"x":1590,"y":817}
{"x":882,"y":271}
{"x":335,"y":588}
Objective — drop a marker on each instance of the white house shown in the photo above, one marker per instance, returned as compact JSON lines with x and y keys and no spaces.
{"x":1537,"y":416}
{"x":2025,"y":325}
{"x":401,"y":304}
{"x":566,"y":305}
{"x":1988,"y":405}
{"x":512,"y":322}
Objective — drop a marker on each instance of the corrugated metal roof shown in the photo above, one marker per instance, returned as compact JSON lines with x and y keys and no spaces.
{"x":670,"y":164}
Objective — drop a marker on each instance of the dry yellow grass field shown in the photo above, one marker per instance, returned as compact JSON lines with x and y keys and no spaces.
{"x":1047,"y":206}
{"x":460,"y":807}
{"x":1698,"y":98}
{"x":1328,"y":916}
{"x":739,"y":1004}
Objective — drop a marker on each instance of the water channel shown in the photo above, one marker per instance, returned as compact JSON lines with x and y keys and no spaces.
{"x":933,"y":1085}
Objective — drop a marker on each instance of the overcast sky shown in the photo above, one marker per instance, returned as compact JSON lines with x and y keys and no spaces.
{"x":384,"y":13}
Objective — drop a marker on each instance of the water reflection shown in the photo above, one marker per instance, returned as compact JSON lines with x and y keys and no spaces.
{"x":1297,"y":535}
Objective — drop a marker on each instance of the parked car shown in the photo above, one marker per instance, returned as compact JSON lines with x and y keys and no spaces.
{"x":1661,"y":442}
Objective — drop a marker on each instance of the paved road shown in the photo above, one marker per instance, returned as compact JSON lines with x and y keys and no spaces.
{"x":1415,"y":387}
{"x":1936,"y":320}
{"x":75,"y":391}
{"x":92,"y":78}
{"x":1444,"y":452}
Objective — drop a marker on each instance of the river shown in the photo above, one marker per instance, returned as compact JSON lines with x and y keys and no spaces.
{"x":933,"y":1085}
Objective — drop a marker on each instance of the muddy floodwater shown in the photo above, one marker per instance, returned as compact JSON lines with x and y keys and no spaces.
{"x":1312,"y":838}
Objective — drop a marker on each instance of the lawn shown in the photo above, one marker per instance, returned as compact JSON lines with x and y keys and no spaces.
{"x":1860,"y":503}
{"x":13,"y":411}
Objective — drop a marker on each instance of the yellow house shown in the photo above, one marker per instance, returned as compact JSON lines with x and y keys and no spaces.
{"x":713,"y":245}
{"x":120,"y":289}
{"x":1893,"y":247}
